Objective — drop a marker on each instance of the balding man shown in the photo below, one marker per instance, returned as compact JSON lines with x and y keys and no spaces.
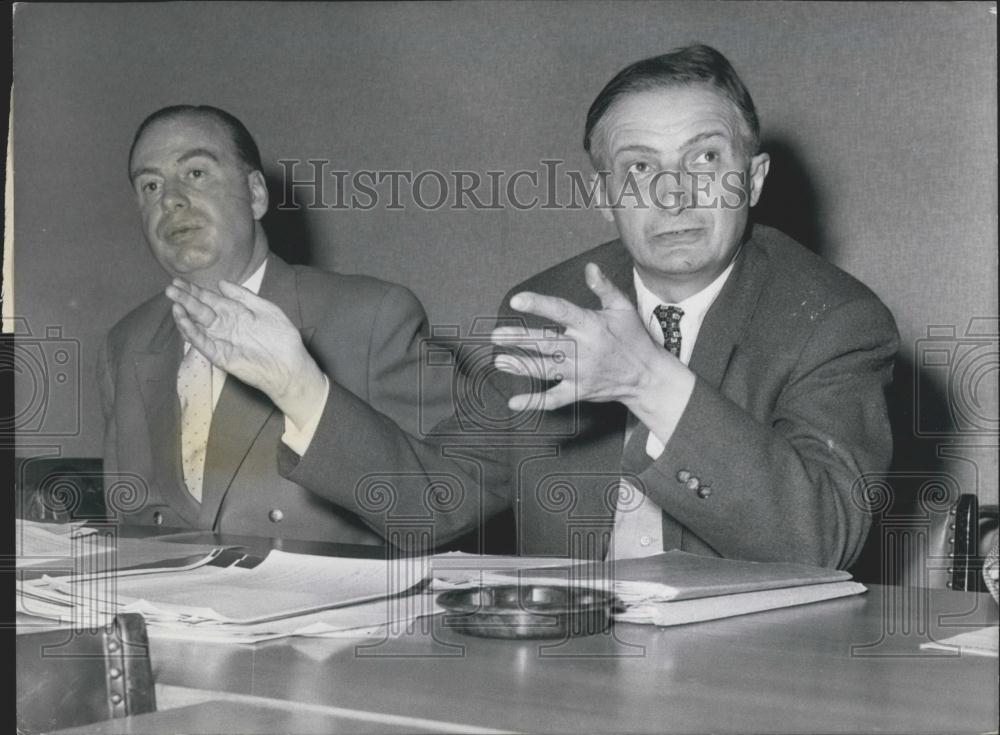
{"x":253,"y":396}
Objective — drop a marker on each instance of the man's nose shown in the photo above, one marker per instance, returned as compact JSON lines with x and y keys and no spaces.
{"x":671,"y":192}
{"x":173,"y":196}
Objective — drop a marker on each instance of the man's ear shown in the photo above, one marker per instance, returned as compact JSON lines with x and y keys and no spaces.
{"x":258,"y":194}
{"x":759,"y":166}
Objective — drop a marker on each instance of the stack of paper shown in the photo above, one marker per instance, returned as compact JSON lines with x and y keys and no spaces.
{"x":978,"y":642}
{"x":230,"y":595}
{"x":671,"y":588}
{"x":40,"y":543}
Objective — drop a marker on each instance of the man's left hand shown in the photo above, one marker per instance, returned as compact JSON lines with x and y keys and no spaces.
{"x":251,"y":339}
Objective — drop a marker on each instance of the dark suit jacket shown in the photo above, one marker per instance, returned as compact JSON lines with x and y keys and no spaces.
{"x":787,"y":419}
{"x":366,"y":464}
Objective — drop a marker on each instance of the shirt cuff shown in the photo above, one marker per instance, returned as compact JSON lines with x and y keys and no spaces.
{"x":298,"y":440}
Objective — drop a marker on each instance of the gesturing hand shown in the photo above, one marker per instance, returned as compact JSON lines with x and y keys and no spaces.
{"x":615,"y":360}
{"x":251,"y":339}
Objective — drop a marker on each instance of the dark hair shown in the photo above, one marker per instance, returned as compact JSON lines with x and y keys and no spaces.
{"x":696,"y":64}
{"x":243,"y":142}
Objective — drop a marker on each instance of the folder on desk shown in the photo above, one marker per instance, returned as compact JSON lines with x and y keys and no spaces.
{"x":673,"y":587}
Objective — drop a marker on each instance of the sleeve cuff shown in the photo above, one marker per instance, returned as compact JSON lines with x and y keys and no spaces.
{"x":298,"y":439}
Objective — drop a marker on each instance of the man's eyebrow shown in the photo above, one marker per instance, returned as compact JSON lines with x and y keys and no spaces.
{"x":198,"y":152}
{"x":636,"y":148}
{"x":694,"y":140}
{"x":188,"y":155}
{"x":132,"y":175}
{"x":703,"y":136}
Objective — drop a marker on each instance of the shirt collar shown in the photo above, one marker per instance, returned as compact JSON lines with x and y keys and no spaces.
{"x":696,"y":304}
{"x":255,"y":279}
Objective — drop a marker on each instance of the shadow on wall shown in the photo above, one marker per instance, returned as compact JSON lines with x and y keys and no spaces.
{"x":287,"y":229}
{"x":789,"y":201}
{"x":944,"y":425}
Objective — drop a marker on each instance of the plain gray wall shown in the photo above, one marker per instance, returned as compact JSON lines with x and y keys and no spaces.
{"x":881,"y":120}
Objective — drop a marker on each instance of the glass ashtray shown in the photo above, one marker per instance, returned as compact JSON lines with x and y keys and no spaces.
{"x":527,"y":611}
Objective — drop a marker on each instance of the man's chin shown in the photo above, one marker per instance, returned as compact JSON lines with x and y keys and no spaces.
{"x":200,"y":273}
{"x":680,"y":262}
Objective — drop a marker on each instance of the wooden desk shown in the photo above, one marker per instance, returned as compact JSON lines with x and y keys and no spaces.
{"x":848,"y":665}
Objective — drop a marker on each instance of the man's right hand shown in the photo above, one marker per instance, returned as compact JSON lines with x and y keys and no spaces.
{"x":616,"y":360}
{"x":251,"y":339}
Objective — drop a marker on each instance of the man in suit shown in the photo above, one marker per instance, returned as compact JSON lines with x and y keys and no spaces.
{"x":254,"y":396}
{"x":718,"y":388}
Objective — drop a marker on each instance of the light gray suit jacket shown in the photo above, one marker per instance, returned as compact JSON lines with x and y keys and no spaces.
{"x":367,"y":464}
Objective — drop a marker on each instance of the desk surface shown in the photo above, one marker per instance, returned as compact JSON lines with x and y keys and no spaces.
{"x":847,"y":665}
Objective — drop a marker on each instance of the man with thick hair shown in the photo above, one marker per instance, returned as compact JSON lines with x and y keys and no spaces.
{"x":718,"y":387}
{"x":253,"y":396}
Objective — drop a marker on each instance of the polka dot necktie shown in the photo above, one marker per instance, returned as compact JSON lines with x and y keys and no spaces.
{"x":669,"y":318}
{"x":194,"y":388}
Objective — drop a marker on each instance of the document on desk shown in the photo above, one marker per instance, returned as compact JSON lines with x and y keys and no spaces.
{"x":281,"y":585}
{"x":978,"y":642}
{"x":61,"y":548}
{"x":672,"y":575}
{"x":363,"y":620}
{"x":40,"y":543}
{"x":671,"y":588}
{"x":699,"y":609}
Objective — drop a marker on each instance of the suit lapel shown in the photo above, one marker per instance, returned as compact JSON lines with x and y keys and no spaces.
{"x":729,"y":316}
{"x":156,"y":372}
{"x":616,"y":264}
{"x":238,"y":419}
{"x":242,"y":411}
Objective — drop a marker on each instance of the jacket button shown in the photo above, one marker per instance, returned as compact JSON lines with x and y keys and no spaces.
{"x":704,"y":492}
{"x":693,"y":484}
{"x":158,"y":518}
{"x":276,"y":516}
{"x":683,"y":476}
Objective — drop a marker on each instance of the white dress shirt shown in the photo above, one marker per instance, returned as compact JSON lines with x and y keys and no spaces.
{"x":638,"y":530}
{"x":297,"y":439}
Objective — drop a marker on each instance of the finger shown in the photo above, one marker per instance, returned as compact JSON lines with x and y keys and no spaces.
{"x":544,"y":341}
{"x":556,"y":397}
{"x":609,"y":294}
{"x":524,"y":366}
{"x":240,"y":294}
{"x":548,"y":307}
{"x":536,"y":368}
{"x":206,"y":296}
{"x":194,"y":334}
{"x":194,"y":308}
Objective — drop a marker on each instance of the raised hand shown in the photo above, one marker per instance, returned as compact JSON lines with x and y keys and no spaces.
{"x":615,"y":358}
{"x":251,"y":339}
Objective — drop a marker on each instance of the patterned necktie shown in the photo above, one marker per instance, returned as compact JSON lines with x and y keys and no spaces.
{"x":194,"y":388}
{"x":670,"y":322}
